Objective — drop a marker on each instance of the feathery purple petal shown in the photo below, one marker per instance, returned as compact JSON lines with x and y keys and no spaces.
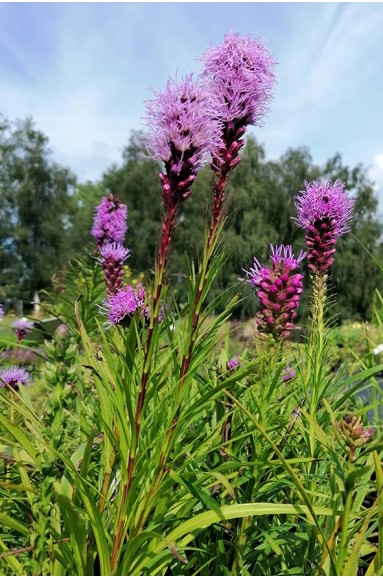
{"x":14,"y":376}
{"x":119,"y":307}
{"x":242,"y":76}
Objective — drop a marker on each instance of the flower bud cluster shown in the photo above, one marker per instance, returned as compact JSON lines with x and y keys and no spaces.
{"x":233,"y":363}
{"x":288,"y":374}
{"x":278,"y":290}
{"x":354,"y":433}
{"x":113,"y":256}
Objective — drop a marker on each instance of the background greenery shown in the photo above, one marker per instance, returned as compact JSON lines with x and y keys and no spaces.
{"x":46,"y":215}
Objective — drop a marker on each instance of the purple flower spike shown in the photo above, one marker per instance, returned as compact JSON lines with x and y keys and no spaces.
{"x":120,"y":307}
{"x":22,"y":327}
{"x":278,"y":291}
{"x":113,"y":256}
{"x":324,"y":212}
{"x":14,"y":376}
{"x":109,"y":225}
{"x":242,"y":75}
{"x":183,"y":129}
{"x":1,"y":312}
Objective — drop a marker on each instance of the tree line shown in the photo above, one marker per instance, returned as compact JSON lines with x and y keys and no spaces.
{"x":46,"y":216}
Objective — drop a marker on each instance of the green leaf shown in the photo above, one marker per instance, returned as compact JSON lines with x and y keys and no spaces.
{"x":9,"y":522}
{"x":187,"y":531}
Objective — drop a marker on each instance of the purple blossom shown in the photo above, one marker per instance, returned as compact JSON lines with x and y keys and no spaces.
{"x":242,"y":74}
{"x":14,"y":376}
{"x":233,"y":362}
{"x":109,"y":225}
{"x":183,"y":129}
{"x":112,"y":260}
{"x":324,"y":212}
{"x":22,"y":327}
{"x":278,"y":291}
{"x":114,"y":251}
{"x":1,"y":312}
{"x":288,"y":374}
{"x":122,"y":305}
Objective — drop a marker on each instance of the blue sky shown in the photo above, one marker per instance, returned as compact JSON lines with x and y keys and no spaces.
{"x":84,"y":70}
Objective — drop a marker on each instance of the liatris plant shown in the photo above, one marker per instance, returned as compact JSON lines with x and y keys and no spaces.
{"x":182,"y":131}
{"x":1,"y":312}
{"x":278,"y":289}
{"x":240,"y":74}
{"x":155,"y":455}
{"x":109,"y":225}
{"x":324,"y":212}
{"x":22,"y":327}
{"x":15,"y":376}
{"x":113,"y":256}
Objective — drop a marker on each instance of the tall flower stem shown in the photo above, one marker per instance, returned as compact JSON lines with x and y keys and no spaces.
{"x":345,"y":522}
{"x":216,"y":225}
{"x":315,"y":354}
{"x":168,"y":227}
{"x":317,"y":336}
{"x":217,"y":220}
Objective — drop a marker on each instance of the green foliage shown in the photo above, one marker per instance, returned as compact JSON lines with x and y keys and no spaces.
{"x":46,"y":218}
{"x":251,"y":478}
{"x":261,"y":210}
{"x":35,"y":209}
{"x":138,"y":451}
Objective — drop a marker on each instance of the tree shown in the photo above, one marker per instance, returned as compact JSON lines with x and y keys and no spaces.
{"x":261,"y":212}
{"x":35,"y":209}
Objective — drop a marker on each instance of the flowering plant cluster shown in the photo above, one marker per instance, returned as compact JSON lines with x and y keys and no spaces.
{"x":157,"y":453}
